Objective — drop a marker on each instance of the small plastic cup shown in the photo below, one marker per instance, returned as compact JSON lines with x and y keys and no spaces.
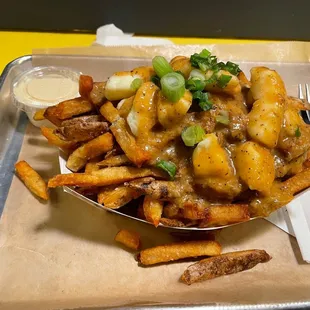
{"x":42,"y":87}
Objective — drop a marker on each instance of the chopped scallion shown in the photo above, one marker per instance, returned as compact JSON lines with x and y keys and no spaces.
{"x":156,"y":80}
{"x":161,"y":66}
{"x":297,"y":132}
{"x":167,"y":166}
{"x":197,"y":74}
{"x":192,"y":135}
{"x":136,"y":83}
{"x":203,"y":100}
{"x":223,"y":117}
{"x":223,"y":80}
{"x":194,"y":84}
{"x":173,"y":86}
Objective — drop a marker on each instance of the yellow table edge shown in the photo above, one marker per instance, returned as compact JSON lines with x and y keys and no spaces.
{"x":17,"y":44}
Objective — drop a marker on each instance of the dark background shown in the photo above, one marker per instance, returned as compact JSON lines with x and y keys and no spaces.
{"x":286,"y":20}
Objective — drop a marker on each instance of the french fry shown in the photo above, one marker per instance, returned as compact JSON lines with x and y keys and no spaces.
{"x":114,"y":197}
{"x":115,"y":161}
{"x":39,"y":115}
{"x":92,"y":166}
{"x":162,"y":190}
{"x":97,"y":95}
{"x":244,"y":82}
{"x":128,"y":143}
{"x":67,"y":109}
{"x":100,"y":145}
{"x":177,"y":251}
{"x":218,"y":215}
{"x":129,"y":238}
{"x":124,"y":106}
{"x":171,"y":222}
{"x":53,"y":139}
{"x":298,"y":182}
{"x":297,"y":103}
{"x":224,"y":264}
{"x":109,"y":112}
{"x":85,"y":85}
{"x":102,"y":177}
{"x":32,"y":179}
{"x":171,"y":210}
{"x":152,"y":209}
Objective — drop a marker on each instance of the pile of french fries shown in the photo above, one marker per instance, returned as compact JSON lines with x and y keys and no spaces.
{"x":248,"y":158}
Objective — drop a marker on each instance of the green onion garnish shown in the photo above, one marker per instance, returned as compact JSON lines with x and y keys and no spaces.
{"x":173,"y":86}
{"x":161,"y":66}
{"x":136,"y":83}
{"x":192,"y":135}
{"x":297,"y":132}
{"x":223,"y":80}
{"x":197,"y":74}
{"x":223,"y":118}
{"x":156,"y":80}
{"x":194,"y":84}
{"x":203,"y":100}
{"x":167,"y":166}
{"x":205,"y":53}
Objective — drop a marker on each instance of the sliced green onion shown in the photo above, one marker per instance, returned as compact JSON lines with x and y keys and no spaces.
{"x":192,"y":135}
{"x":161,"y":66}
{"x":212,"y":80}
{"x":136,"y":83}
{"x":167,"y":166}
{"x":223,"y":118}
{"x":197,"y":74}
{"x":156,"y":80}
{"x":297,"y":132}
{"x":194,"y":84}
{"x":205,"y":53}
{"x":203,"y":100}
{"x":173,"y":86}
{"x":223,"y":80}
{"x":232,"y":68}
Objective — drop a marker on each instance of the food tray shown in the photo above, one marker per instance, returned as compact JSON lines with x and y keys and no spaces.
{"x":13,"y":125}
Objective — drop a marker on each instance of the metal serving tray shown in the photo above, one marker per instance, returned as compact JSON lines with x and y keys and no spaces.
{"x":13,"y":124}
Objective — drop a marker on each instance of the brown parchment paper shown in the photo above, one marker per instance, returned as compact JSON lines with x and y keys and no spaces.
{"x":61,"y":254}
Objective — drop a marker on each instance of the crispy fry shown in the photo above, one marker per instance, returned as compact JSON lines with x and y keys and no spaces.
{"x":100,"y":145}
{"x":103,"y":177}
{"x":92,"y":165}
{"x":224,"y":264}
{"x":67,"y":109}
{"x":218,"y":215}
{"x":128,"y":143}
{"x":32,"y":179}
{"x":171,"y":222}
{"x":124,"y":106}
{"x":53,"y":139}
{"x":171,"y":211}
{"x":298,"y":182}
{"x":97,"y":96}
{"x":129,"y":238}
{"x":162,"y":190}
{"x":114,"y":197}
{"x":39,"y":115}
{"x":109,"y":112}
{"x":244,"y":82}
{"x":115,"y":161}
{"x":152,"y":209}
{"x":85,"y":85}
{"x":176,"y":251}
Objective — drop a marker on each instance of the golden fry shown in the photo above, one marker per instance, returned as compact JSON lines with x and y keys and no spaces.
{"x":218,"y":215}
{"x":53,"y":139}
{"x":92,"y":165}
{"x":109,"y":112}
{"x":85,"y":85}
{"x":171,"y":222}
{"x":39,"y":115}
{"x":100,"y":145}
{"x":128,"y":143}
{"x":153,"y":210}
{"x":298,"y":182}
{"x":97,"y":95}
{"x":129,"y":238}
{"x":102,"y":177}
{"x":224,"y":264}
{"x":67,"y":109}
{"x":115,"y":161}
{"x":176,"y":251}
{"x":114,"y":197}
{"x":124,"y":106}
{"x":32,"y":179}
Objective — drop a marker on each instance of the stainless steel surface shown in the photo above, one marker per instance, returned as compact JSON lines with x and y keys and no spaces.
{"x":13,"y":123}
